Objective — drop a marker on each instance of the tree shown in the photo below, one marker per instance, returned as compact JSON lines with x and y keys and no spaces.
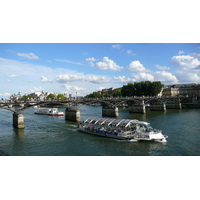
{"x":51,"y":96}
{"x":128,"y":90}
{"x":117,"y":93}
{"x":143,"y":88}
{"x":94,"y":95}
{"x":25,"y":98}
{"x":156,"y":88}
{"x":61,"y":97}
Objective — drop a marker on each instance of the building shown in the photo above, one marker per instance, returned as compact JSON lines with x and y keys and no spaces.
{"x":15,"y":97}
{"x":190,"y":89}
{"x":109,"y":91}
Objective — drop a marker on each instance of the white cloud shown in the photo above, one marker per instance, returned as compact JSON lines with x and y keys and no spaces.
{"x":162,"y":76}
{"x":116,"y":46}
{"x":88,"y":78}
{"x":188,"y":76}
{"x":30,"y":56}
{"x":96,"y":79}
{"x":45,"y":80}
{"x":189,"y":68}
{"x":68,"y":61}
{"x":136,"y":77}
{"x":197,"y":55}
{"x":165,"y":77}
{"x":72,"y":88}
{"x":23,"y":68}
{"x":163,"y":68}
{"x":91,"y":59}
{"x":181,"y":52}
{"x":142,"y":76}
{"x":136,"y":66}
{"x":36,"y":73}
{"x":36,"y":89}
{"x":130,"y":52}
{"x":68,"y":78}
{"x":12,"y":75}
{"x":107,"y":64}
{"x":5,"y":94}
{"x":122,"y":79}
{"x":185,"y":62}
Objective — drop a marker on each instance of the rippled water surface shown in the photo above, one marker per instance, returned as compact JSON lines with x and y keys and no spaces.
{"x":53,"y":136}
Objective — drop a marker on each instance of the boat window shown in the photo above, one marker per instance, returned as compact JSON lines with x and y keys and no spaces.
{"x":149,"y":128}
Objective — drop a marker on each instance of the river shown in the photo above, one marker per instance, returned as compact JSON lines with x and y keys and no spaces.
{"x":53,"y":136}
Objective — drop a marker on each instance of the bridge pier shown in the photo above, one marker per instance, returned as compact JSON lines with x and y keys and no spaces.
{"x":72,"y":115}
{"x":159,"y":107}
{"x":138,"y":109}
{"x":110,"y":111}
{"x":18,"y":120}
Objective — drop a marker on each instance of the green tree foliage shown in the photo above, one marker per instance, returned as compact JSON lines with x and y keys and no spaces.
{"x":25,"y":98}
{"x":51,"y":96}
{"x":128,"y":90}
{"x":61,"y":97}
{"x":94,"y":95}
{"x":144,"y":88}
{"x":117,"y":93}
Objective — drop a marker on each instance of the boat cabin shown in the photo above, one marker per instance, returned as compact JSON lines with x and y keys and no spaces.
{"x":120,"y":125}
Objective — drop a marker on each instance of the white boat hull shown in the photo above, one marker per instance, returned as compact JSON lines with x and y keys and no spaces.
{"x":132,"y":137}
{"x":48,"y":111}
{"x":58,"y":114}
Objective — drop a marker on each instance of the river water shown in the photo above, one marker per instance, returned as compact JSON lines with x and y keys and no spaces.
{"x":53,"y":136}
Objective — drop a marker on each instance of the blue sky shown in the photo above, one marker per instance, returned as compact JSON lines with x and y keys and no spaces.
{"x":87,"y":67}
{"x":85,"y":46}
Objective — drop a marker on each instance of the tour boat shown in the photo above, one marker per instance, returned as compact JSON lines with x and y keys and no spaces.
{"x":48,"y":111}
{"x":123,"y":129}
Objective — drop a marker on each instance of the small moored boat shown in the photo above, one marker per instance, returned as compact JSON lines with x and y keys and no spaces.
{"x":123,"y":129}
{"x":48,"y":111}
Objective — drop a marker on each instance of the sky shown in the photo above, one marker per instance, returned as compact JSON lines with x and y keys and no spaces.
{"x":88,"y":67}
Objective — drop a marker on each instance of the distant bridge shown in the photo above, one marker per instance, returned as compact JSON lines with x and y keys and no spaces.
{"x":108,"y":101}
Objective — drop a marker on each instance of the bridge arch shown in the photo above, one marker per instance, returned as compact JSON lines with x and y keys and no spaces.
{"x":138,"y":102}
{"x":97,"y":101}
{"x":155,"y":99}
{"x":14,"y":111}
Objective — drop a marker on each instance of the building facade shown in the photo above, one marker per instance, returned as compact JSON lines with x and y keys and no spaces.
{"x":190,"y":89}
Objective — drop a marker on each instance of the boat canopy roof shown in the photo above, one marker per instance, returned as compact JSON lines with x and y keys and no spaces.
{"x":113,"y":122}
